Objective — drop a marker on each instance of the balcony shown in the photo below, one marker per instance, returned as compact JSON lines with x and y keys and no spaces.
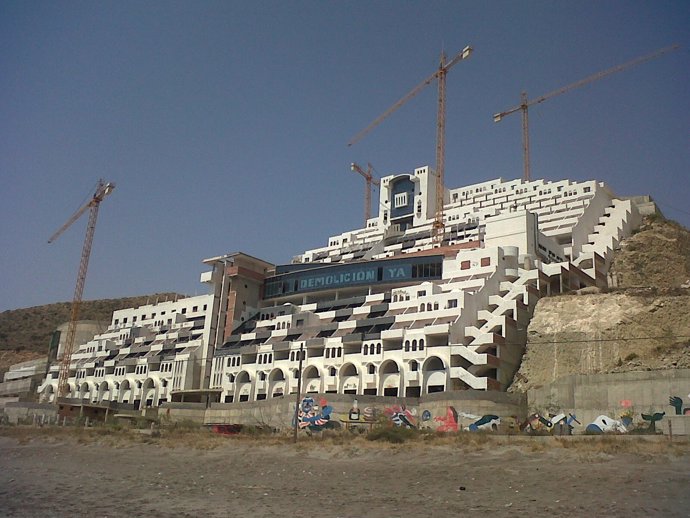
{"x":352,"y":338}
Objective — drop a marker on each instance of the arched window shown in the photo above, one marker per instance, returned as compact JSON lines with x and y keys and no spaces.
{"x":365,"y":349}
{"x":435,"y":305}
{"x":414,"y":366}
{"x":421,"y":307}
{"x":407,"y":346}
{"x":340,"y":352}
{"x":328,"y":353}
{"x":414,"y":345}
{"x":270,"y":357}
{"x":428,"y":306}
{"x":378,"y":348}
{"x":371,"y":349}
{"x":333,"y":371}
{"x":421,"y":344}
{"x":371,"y":369}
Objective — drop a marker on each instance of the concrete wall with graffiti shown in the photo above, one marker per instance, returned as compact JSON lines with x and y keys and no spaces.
{"x":467,"y":410}
{"x":633,"y":402}
{"x":616,"y":403}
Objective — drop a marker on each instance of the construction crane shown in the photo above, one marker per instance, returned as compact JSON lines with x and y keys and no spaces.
{"x":440,"y":74}
{"x":367,"y":190}
{"x":102,"y":190}
{"x":525,"y":103}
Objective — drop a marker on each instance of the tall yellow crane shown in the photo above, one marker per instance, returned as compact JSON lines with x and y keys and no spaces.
{"x":440,"y":74}
{"x":102,"y":190}
{"x":370,"y":180}
{"x":525,"y":103}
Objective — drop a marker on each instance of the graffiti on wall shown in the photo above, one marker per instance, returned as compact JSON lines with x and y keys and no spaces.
{"x":448,"y":422}
{"x":560,"y":424}
{"x":401,"y":416}
{"x":452,"y":421}
{"x":605,"y":424}
{"x":315,"y":418}
{"x":677,"y":403}
{"x":366,"y":415}
{"x":652,"y":419}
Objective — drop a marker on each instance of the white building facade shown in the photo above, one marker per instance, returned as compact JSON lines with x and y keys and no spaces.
{"x":384,"y":310}
{"x":144,"y":355}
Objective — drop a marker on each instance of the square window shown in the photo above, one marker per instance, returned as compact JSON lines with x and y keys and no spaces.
{"x":400,"y":200}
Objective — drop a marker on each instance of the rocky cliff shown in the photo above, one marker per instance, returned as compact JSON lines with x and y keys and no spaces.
{"x":642,"y":324}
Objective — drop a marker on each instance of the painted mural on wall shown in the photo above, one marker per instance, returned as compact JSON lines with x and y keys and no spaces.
{"x":401,"y":416}
{"x":605,"y":424}
{"x":652,"y":419}
{"x":677,"y":403}
{"x":452,"y":421}
{"x":368,"y":414}
{"x":448,"y":422}
{"x":559,"y":424}
{"x":315,"y":418}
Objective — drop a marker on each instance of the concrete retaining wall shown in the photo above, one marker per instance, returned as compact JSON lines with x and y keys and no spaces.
{"x":428,"y":412}
{"x":25,"y":411}
{"x":615,"y":395}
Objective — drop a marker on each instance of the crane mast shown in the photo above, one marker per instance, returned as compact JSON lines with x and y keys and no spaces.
{"x":102,"y":190}
{"x":370,"y":180}
{"x":438,"y":226}
{"x":440,"y":74}
{"x":525,"y":103}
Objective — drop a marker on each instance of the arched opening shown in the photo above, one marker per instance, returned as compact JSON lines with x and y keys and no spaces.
{"x":277,"y":385}
{"x":312,"y":379}
{"x":85,"y":391}
{"x":349,"y":379}
{"x":49,"y":393}
{"x":389,"y":376}
{"x":104,"y":393}
{"x":243,"y":386}
{"x":434,"y":375}
{"x":148,"y":393}
{"x":125,"y":392}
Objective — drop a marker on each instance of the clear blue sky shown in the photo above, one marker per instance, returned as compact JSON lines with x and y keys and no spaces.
{"x":224,"y":124}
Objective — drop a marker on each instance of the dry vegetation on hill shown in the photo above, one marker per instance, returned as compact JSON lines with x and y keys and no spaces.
{"x":25,"y":333}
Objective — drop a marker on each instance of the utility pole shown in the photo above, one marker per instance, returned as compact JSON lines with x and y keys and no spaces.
{"x":299,"y":391}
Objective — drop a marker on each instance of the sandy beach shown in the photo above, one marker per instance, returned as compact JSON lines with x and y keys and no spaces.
{"x":60,"y":476}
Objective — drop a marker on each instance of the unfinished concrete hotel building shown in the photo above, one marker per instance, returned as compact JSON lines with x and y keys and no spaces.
{"x":382,"y":310}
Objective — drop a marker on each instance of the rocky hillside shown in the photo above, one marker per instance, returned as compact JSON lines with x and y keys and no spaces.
{"x":643,"y":324}
{"x":25,"y":333}
{"x":657,"y":256}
